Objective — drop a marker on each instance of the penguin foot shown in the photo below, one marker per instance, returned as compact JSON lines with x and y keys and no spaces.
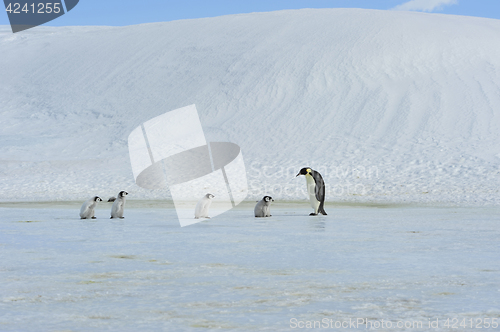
{"x":122,"y":217}
{"x":313,"y":214}
{"x":94,"y":218}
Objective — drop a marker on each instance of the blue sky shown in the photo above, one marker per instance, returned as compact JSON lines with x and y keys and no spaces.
{"x":128,"y":12}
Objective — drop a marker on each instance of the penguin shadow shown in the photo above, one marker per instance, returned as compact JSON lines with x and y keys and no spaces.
{"x":89,"y":220}
{"x":262,"y":220}
{"x":117,"y":220}
{"x":95,"y":219}
{"x":317,"y":225}
{"x":100,"y":220}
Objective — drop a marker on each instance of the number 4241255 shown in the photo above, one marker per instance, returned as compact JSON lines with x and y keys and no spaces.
{"x":40,"y":8}
{"x":477,"y":323}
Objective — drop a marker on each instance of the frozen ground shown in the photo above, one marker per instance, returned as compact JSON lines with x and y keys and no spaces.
{"x":236,"y":272}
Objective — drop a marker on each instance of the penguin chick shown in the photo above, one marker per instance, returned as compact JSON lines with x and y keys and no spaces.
{"x":201,"y":209}
{"x":118,"y":205}
{"x":87,"y":209}
{"x":263,"y":207}
{"x":315,"y":189}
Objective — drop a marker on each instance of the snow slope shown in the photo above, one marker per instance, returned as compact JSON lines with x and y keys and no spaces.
{"x":388,"y":106}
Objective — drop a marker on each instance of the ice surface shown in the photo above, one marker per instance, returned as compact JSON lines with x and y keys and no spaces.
{"x":237,"y":272}
{"x":388,"y":106}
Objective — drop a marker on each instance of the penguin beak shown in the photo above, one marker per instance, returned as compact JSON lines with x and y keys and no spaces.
{"x":297,"y":174}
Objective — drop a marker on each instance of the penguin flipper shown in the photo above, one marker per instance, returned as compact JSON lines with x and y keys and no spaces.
{"x":319,"y":189}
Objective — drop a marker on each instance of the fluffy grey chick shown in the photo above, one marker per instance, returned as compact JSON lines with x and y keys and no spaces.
{"x":263,"y":207}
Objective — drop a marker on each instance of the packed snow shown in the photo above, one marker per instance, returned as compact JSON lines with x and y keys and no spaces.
{"x":389,"y":106}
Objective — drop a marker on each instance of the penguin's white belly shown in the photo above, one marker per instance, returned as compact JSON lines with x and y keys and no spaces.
{"x":262,"y":209}
{"x":117,"y":209}
{"x":267,"y":211}
{"x":201,"y":210}
{"x":311,"y":190}
{"x":87,"y":210}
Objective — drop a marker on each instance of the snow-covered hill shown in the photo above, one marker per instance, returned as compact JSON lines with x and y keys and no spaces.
{"x":387,"y":105}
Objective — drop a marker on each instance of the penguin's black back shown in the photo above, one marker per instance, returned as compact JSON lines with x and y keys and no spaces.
{"x":319,"y":190}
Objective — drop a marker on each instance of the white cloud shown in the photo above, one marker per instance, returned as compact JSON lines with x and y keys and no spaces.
{"x":425,"y":5}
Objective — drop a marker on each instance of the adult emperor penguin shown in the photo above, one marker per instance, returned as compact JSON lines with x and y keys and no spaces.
{"x":263,"y":207}
{"x":201,"y":209}
{"x":87,"y":209}
{"x":118,"y":205}
{"x":316,"y":190}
